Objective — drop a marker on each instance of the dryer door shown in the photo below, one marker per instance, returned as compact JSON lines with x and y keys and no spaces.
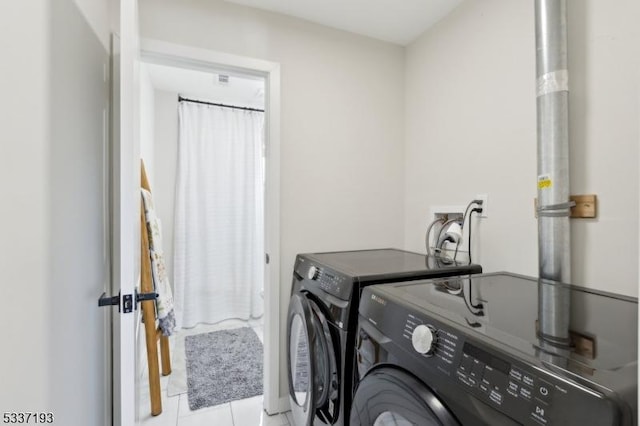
{"x":301,"y":342}
{"x":326,"y":371}
{"x":391,"y":397}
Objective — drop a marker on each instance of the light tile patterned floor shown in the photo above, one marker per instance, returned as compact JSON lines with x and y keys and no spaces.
{"x":175,"y":409}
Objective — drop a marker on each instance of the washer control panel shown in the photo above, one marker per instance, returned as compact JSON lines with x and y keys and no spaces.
{"x":504,"y":382}
{"x":500,"y":383}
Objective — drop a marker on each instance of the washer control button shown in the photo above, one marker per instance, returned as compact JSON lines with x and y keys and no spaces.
{"x":525,"y":393}
{"x":543,"y":391}
{"x":516,"y":374}
{"x":424,"y":339}
{"x":528,"y":379}
{"x":477,"y":369}
{"x":466,"y":364}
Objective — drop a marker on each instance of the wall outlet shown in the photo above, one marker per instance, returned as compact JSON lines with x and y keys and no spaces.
{"x":485,"y":204}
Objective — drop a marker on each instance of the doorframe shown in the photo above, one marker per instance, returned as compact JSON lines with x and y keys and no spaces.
{"x":165,"y":53}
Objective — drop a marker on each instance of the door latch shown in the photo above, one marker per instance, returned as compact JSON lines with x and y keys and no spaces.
{"x":127,"y":300}
{"x":105,"y":300}
{"x":127,"y":303}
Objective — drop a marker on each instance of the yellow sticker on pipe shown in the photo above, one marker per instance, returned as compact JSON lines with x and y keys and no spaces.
{"x":544,"y":182}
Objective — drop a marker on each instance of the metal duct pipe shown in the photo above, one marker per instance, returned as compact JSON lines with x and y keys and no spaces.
{"x":554,"y":255}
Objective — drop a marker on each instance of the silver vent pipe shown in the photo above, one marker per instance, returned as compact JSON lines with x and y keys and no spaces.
{"x":554,"y":244}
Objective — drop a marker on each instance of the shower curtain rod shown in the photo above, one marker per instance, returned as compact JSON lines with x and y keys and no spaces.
{"x":181,"y":99}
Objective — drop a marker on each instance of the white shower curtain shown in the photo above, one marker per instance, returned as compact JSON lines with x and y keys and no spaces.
{"x":219,"y":246}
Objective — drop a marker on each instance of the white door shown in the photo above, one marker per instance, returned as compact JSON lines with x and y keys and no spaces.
{"x":125,"y":212}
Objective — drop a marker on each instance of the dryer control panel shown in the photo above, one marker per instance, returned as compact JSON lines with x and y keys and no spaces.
{"x":520,"y":389}
{"x":330,"y":281}
{"x":333,"y":283}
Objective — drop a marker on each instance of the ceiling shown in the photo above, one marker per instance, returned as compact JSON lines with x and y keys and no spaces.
{"x":240,"y":91}
{"x":395,"y":21}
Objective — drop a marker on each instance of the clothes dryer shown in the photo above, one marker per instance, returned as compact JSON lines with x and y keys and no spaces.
{"x":322,"y":321}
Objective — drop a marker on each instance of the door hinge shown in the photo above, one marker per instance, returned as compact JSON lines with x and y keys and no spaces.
{"x":266,"y":258}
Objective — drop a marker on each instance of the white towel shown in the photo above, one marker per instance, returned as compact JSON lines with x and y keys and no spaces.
{"x":164,"y":302}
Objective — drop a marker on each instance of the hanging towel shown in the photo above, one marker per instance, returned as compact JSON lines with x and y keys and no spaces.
{"x":164,"y":302}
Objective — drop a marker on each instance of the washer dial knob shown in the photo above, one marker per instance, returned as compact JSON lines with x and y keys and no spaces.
{"x":313,"y":273}
{"x":424,"y":339}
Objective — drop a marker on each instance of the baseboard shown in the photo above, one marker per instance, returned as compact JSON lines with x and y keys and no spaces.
{"x":284,"y":405}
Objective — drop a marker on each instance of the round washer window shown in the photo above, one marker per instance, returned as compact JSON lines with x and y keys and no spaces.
{"x":389,"y":418}
{"x":391,"y":397}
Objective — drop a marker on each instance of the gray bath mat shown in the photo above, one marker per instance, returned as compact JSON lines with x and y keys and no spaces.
{"x":223,"y":366}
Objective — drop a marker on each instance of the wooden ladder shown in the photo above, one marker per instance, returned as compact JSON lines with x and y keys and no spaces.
{"x":152,"y":333}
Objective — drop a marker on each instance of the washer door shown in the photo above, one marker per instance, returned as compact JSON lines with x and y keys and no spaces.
{"x":391,"y":397}
{"x":301,"y":343}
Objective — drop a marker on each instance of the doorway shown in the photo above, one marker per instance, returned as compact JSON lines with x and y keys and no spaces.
{"x":221,"y":71}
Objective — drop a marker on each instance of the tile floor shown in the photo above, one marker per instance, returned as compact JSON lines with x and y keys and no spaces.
{"x":175,"y":404}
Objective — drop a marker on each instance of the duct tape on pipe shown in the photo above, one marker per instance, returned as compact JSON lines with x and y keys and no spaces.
{"x":555,"y":81}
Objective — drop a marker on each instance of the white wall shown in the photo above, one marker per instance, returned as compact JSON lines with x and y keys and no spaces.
{"x":166,"y":159}
{"x":24,"y":188}
{"x":96,"y":14}
{"x":53,"y":246}
{"x":147,"y":124}
{"x":342,"y":135}
{"x":471,"y":128}
{"x":605,"y":140}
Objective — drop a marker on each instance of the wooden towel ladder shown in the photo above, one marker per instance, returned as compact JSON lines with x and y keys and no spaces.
{"x":152,"y":333}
